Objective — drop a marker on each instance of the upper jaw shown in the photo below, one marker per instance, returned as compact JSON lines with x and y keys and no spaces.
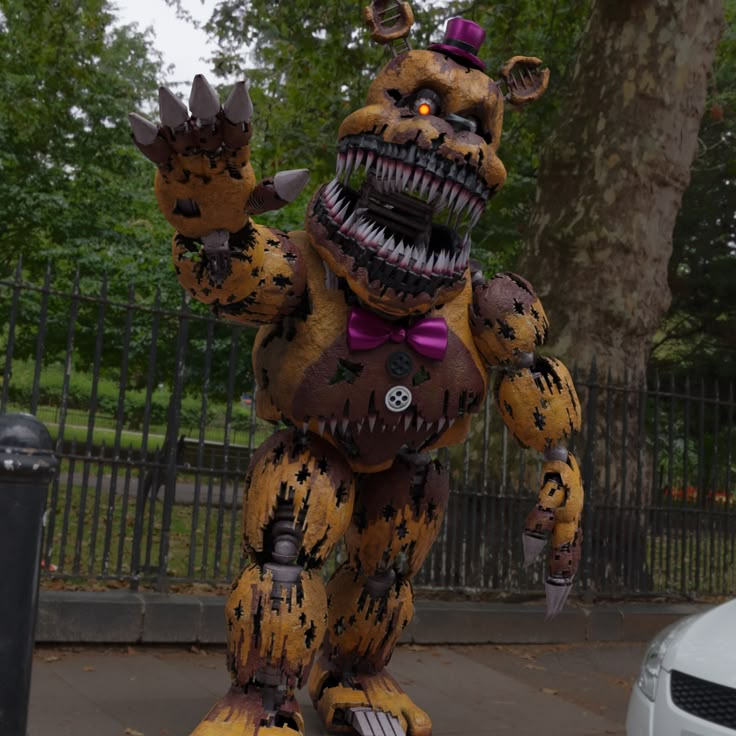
{"x":402,"y":213}
{"x":456,"y":193}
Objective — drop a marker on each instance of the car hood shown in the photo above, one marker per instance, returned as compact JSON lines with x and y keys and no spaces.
{"x":706,"y":647}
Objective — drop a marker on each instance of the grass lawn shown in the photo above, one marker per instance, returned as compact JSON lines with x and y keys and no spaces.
{"x":93,"y":542}
{"x":104,"y":430}
{"x":94,"y":534}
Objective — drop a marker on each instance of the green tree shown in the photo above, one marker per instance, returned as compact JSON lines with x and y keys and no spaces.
{"x":310,"y":64}
{"x":697,"y":335}
{"x":73,"y":189}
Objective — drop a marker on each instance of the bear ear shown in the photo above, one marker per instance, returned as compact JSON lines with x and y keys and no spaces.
{"x":389,"y":21}
{"x":525,"y":80}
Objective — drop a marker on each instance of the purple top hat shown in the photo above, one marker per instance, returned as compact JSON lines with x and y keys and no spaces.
{"x":462,"y":40}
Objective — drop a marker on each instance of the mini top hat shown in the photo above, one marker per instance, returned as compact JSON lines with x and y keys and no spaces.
{"x":462,"y":40}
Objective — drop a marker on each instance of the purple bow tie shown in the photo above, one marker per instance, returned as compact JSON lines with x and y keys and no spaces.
{"x":367,"y":331}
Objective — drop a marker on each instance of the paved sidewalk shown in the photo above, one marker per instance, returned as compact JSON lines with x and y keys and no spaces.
{"x":576,"y":690}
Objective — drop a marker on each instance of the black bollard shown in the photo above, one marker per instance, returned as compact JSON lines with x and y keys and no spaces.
{"x":27,"y":464}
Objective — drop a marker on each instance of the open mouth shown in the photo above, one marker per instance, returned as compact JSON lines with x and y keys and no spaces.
{"x":402,"y":213}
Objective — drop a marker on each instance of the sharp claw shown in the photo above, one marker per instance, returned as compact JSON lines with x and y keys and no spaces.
{"x":289,"y":184}
{"x":203,"y":100}
{"x":174,"y":112}
{"x":238,"y":107}
{"x":533,"y":547}
{"x":556,"y":592}
{"x":144,"y":131}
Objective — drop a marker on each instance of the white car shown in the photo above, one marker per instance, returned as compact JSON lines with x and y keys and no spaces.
{"x":687,"y":683}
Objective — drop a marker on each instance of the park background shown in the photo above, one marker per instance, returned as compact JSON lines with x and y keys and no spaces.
{"x":619,"y":208}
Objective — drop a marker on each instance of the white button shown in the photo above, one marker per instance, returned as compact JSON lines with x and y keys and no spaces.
{"x":398,"y":398}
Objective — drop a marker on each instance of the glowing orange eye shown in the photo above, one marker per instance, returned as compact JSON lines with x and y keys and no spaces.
{"x":426,"y":102}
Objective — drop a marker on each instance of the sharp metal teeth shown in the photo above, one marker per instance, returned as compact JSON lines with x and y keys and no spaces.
{"x":415,"y":182}
{"x":338,"y":201}
{"x":426,"y":181}
{"x":350,"y":163}
{"x":406,"y":259}
{"x":374,"y":238}
{"x":440,"y":424}
{"x":407,"y":421}
{"x":361,"y":231}
{"x":370,"y":158}
{"x":395,"y":255}
{"x":387,"y":247}
{"x":344,"y":426}
{"x":405,"y":175}
{"x":450,"y":422}
{"x":341,"y":159}
{"x":333,"y":425}
{"x":340,"y":216}
{"x":442,"y":262}
{"x":454,"y":191}
{"x":433,"y":189}
{"x":321,"y":426}
{"x":444,"y":196}
{"x":332,"y":187}
{"x":420,"y":256}
{"x":359,"y":425}
{"x":347,"y":227}
{"x":372,"y":421}
{"x":429,"y":426}
{"x":420,"y":421}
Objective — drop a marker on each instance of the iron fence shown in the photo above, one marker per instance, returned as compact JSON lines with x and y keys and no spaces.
{"x":151,"y":407}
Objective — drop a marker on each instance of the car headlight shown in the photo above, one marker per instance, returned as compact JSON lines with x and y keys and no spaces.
{"x":654,"y":656}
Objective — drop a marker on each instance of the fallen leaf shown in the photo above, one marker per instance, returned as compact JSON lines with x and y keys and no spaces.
{"x":531,"y":666}
{"x":88,"y":668}
{"x":52,"y":658}
{"x":549,"y":691}
{"x":133,"y":732}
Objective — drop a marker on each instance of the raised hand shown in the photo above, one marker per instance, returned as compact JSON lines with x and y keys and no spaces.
{"x":205,"y":182}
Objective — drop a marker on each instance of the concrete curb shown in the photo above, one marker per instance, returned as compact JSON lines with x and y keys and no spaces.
{"x":126,"y":617}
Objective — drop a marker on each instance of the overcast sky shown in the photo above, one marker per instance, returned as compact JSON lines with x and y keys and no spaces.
{"x":183,"y":46}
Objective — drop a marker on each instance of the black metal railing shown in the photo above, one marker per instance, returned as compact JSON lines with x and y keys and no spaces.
{"x":151,"y":408}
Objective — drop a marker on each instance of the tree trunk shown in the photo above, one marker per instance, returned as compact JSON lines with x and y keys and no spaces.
{"x":612,"y":178}
{"x":600,"y":237}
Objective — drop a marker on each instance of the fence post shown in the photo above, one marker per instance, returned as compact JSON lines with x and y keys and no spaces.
{"x":27,"y":465}
{"x":588,"y":483}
